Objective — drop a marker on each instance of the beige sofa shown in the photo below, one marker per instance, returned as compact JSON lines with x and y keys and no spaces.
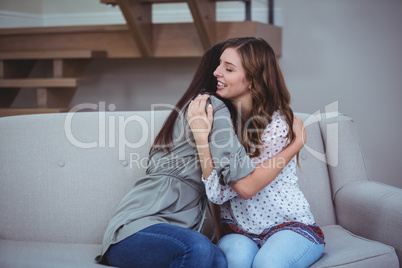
{"x":62,"y":176}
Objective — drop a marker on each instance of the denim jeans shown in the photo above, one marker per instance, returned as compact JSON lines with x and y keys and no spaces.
{"x":283,"y":249}
{"x":166,"y":245}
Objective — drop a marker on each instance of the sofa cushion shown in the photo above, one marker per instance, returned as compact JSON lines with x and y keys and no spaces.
{"x":21,"y":254}
{"x":348,"y":250}
{"x":342,"y":249}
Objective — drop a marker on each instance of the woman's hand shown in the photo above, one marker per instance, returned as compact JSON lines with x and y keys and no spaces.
{"x":300,"y":131}
{"x":200,"y":121}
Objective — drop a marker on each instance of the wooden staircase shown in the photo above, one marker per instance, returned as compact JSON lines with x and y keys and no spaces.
{"x":138,"y":15}
{"x":71,"y":48}
{"x":54,"y":93}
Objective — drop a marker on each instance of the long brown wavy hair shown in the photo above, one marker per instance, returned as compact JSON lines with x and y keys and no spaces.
{"x":203,"y":82}
{"x":268,"y":90}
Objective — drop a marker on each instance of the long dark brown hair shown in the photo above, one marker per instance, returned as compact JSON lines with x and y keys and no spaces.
{"x":268,"y":90}
{"x":203,"y":82}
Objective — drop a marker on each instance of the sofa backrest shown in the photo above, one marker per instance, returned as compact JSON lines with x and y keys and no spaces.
{"x":63,"y":175}
{"x":348,"y":155}
{"x":314,"y":179}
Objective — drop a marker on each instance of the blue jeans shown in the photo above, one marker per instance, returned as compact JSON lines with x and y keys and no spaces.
{"x":283,"y":249}
{"x":166,"y":245}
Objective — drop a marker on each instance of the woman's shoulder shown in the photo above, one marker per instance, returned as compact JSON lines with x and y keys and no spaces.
{"x":218,"y":104}
{"x":278,"y":125}
{"x":215,"y":100}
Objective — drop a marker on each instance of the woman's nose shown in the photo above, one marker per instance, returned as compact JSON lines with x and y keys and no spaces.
{"x":217,"y":73}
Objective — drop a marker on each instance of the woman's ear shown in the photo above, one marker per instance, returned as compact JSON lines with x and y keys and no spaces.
{"x":250,"y":87}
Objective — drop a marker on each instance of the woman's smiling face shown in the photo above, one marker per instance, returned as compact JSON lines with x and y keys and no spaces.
{"x":232,"y":82}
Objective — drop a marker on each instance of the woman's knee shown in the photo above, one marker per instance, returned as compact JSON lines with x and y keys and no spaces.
{"x":239,"y":250}
{"x":198,"y":242}
{"x":304,"y":259}
{"x":219,"y":259}
{"x":287,"y":249}
{"x":193,"y":249}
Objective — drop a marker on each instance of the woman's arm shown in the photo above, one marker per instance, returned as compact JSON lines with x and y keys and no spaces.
{"x":201,"y":124}
{"x":216,"y":192}
{"x":267,"y":171}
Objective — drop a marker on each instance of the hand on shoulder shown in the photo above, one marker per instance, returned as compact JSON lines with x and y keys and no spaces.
{"x":300,"y":131}
{"x":200,"y":118}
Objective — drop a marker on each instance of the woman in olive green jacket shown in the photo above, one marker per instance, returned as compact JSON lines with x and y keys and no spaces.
{"x":158,"y":223}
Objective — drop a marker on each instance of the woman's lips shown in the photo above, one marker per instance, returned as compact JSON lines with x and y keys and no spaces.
{"x":221,"y":85}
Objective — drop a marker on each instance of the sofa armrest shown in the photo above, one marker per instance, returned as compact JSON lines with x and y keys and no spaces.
{"x":372,"y":210}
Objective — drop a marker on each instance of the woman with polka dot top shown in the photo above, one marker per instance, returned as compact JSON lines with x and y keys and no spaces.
{"x":263,"y":225}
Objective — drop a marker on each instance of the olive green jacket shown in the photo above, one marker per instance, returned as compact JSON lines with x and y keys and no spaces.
{"x":172,"y":191}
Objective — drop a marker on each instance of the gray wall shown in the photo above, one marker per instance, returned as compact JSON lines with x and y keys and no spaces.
{"x":350,"y":51}
{"x":347,"y":51}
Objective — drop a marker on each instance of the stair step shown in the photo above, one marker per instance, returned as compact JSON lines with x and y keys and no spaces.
{"x":38,"y":82}
{"x":62,"y":54}
{"x":23,"y":111}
